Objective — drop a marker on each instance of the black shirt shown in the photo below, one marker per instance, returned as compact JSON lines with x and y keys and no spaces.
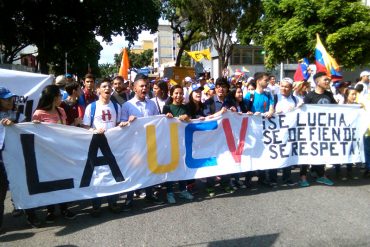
{"x":315,"y":98}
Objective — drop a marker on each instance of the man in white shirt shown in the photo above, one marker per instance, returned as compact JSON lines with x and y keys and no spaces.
{"x":139,"y":106}
{"x":99,"y":117}
{"x":364,"y":82}
{"x":272,"y":86}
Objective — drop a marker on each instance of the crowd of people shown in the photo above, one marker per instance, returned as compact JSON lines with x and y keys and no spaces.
{"x":99,"y":106}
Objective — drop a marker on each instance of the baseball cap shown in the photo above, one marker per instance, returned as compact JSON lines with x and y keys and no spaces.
{"x":60,"y":80}
{"x":288,"y":80}
{"x":364,"y":73}
{"x":339,"y":84}
{"x":68,"y":76}
{"x":196,"y":86}
{"x":5,"y":93}
{"x":188,"y":79}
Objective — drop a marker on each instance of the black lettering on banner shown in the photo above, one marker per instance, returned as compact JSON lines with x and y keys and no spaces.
{"x":282,"y":151}
{"x":354,"y":134}
{"x":352,"y":149}
{"x":344,"y":144}
{"x":275,"y":137}
{"x":300,"y":134}
{"x":325,"y":134}
{"x":298,"y":122}
{"x":281,"y":122}
{"x":272,"y":125}
{"x":291,"y":135}
{"x":347,"y":134}
{"x":32,"y":175}
{"x":341,"y":120}
{"x":321,"y":115}
{"x":332,"y":149}
{"x":323,"y":146}
{"x":266,"y":134}
{"x":302,"y":147}
{"x":99,"y":141}
{"x":315,"y":149}
{"x":274,"y":154}
{"x":332,"y":119}
{"x":294,"y":148}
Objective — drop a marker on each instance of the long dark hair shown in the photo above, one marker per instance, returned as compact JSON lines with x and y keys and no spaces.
{"x":47,"y":98}
{"x":170,"y":101}
{"x":192,"y":106}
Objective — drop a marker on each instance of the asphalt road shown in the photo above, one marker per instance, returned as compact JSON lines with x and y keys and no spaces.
{"x":285,"y":216}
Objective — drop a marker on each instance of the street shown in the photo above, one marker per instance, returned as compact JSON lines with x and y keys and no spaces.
{"x":318,"y":215}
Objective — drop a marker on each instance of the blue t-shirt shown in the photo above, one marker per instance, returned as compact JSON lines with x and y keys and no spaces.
{"x":261,"y":102}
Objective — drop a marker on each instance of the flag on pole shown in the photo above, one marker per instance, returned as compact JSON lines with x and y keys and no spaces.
{"x":326,"y":63}
{"x":125,"y":65}
{"x":302,"y":71}
{"x":199,"y":55}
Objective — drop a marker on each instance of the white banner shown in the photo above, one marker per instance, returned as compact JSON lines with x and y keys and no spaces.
{"x":27,"y":86}
{"x":50,"y":163}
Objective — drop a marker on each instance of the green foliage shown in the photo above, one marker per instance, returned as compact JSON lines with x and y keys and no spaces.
{"x":141,"y":60}
{"x":288,"y":30}
{"x":107,"y":70}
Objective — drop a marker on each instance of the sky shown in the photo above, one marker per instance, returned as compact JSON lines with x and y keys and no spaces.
{"x":118,"y":42}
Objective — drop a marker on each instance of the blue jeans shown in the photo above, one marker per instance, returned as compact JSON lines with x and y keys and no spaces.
{"x":367,"y":151}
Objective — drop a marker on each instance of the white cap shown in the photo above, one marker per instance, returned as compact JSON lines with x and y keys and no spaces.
{"x":60,"y":80}
{"x":289,"y":80}
{"x":249,"y":79}
{"x":364,"y":73}
{"x":188,"y":79}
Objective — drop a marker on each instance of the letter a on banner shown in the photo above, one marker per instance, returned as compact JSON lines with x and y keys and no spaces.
{"x":235,"y":152}
{"x":99,"y":141}
{"x":151,"y":142}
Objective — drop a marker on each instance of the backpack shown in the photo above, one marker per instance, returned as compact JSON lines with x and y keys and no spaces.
{"x":293,"y":97}
{"x":93,"y":109}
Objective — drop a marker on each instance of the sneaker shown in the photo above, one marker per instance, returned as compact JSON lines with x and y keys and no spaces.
{"x":228,"y":189}
{"x":211,"y":192}
{"x":142,"y":194}
{"x":324,"y":180}
{"x":114,"y":208}
{"x":289,"y":182}
{"x":95,"y":212}
{"x":17,"y":212}
{"x":33,"y":221}
{"x":50,"y":218}
{"x":171,"y":198}
{"x":127,"y":206}
{"x":154,"y":199}
{"x":69,"y":215}
{"x":186,"y":195}
{"x":304,"y":183}
{"x":240,"y":184}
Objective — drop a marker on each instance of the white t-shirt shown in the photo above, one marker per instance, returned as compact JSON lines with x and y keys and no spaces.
{"x":160,"y":102}
{"x":105,"y":116}
{"x":275,"y":89}
{"x":286,"y":104}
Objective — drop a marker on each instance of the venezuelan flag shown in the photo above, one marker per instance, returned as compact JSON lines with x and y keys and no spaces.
{"x":325,"y":63}
{"x":302,"y":71}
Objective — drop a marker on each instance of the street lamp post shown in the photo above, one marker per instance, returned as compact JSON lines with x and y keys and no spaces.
{"x":66,"y":62}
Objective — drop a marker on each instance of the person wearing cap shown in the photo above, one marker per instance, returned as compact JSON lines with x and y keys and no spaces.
{"x":8,"y":118}
{"x":340,"y":89}
{"x":61,"y":82}
{"x":187,"y":83}
{"x":69,"y":78}
{"x":285,"y":102}
{"x":139,"y":106}
{"x":321,"y":95}
{"x":364,"y":81}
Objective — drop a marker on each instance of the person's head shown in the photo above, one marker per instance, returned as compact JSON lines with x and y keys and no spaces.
{"x":359,"y":88}
{"x":251,"y":86}
{"x":322,"y":81}
{"x":202,"y":80}
{"x":50,"y":98}
{"x":60,"y":81}
{"x":221,"y":87}
{"x":188,"y":81}
{"x":286,"y":86}
{"x":365,"y":76}
{"x":104,"y":88}
{"x":301,"y":87}
{"x":350,"y":95}
{"x":69,"y":78}
{"x":6,"y":99}
{"x":118,"y":84}
{"x":73,"y":89}
{"x":89,"y":82}
{"x":261,"y":79}
{"x":238,"y":94}
{"x":141,"y":87}
{"x":160,"y":89}
{"x":177,"y":94}
{"x":341,"y":86}
{"x":272,"y":80}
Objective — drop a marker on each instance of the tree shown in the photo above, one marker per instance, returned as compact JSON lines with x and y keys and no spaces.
{"x":179,"y":14}
{"x":289,"y":30}
{"x":219,"y":20}
{"x":61,"y":25}
{"x":250,"y":26}
{"x":140,"y":60}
